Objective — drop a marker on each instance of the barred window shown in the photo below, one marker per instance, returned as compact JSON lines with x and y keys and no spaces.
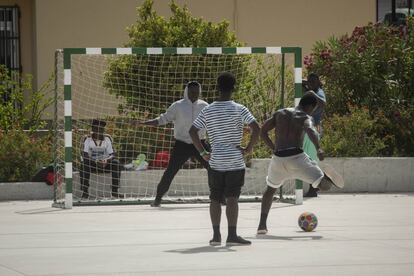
{"x":10,"y":37}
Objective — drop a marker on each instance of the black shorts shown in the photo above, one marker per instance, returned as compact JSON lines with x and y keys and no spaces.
{"x":227,"y":184}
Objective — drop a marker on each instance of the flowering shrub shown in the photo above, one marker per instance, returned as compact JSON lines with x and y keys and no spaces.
{"x":373,"y":68}
{"x":22,"y":154}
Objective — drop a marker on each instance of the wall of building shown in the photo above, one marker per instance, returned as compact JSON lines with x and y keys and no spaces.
{"x":102,"y":23}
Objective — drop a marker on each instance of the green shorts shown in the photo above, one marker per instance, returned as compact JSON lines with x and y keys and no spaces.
{"x":309,"y":148}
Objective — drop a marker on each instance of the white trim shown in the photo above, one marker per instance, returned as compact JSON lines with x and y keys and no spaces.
{"x":68,"y":139}
{"x":244,"y":50}
{"x":297,"y":100}
{"x":93,"y":51}
{"x":298,"y":75}
{"x":154,"y":51}
{"x":184,"y":51}
{"x":68,"y":108}
{"x":298,"y":196}
{"x":273,"y":50}
{"x":123,"y":51}
{"x":67,"y":77}
{"x":68,"y":169}
{"x":68,"y":201}
{"x":214,"y":50}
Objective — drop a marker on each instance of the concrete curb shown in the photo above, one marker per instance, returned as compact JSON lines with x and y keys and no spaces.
{"x":25,"y":191}
{"x":375,"y":175}
{"x":361,"y":175}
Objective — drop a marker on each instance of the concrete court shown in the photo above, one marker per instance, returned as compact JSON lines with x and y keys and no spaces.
{"x":366,"y":234}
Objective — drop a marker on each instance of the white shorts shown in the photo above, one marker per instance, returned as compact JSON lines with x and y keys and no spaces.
{"x":298,"y":166}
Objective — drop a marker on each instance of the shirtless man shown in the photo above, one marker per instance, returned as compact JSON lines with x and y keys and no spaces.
{"x":288,"y":160}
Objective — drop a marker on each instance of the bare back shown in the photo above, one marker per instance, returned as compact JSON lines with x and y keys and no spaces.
{"x":290,"y":124}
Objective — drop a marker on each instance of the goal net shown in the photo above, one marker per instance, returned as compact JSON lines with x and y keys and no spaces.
{"x":121,"y":86}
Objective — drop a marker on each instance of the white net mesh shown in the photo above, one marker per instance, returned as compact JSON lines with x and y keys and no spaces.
{"x":121,"y":89}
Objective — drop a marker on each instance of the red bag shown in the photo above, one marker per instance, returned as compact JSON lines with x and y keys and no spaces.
{"x":161,"y":160}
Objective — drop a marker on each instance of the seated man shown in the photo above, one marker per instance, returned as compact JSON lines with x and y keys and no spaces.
{"x":98,"y":156}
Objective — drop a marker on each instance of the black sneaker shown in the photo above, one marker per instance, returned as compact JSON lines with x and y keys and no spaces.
{"x":312,"y":192}
{"x":85,"y":195}
{"x":156,"y":203}
{"x":237,"y":241}
{"x":215,"y":241}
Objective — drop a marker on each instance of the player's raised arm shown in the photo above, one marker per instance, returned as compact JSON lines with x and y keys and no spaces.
{"x":264,"y":132}
{"x":163,"y":119}
{"x":153,"y":122}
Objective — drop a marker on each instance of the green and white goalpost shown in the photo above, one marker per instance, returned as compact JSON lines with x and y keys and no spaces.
{"x":120,"y":85}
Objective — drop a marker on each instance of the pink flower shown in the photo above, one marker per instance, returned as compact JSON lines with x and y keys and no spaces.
{"x":325,"y":54}
{"x":397,"y":114}
{"x":403,"y":31}
{"x":361,"y":49}
{"x":308,"y":61}
{"x":358,"y":31}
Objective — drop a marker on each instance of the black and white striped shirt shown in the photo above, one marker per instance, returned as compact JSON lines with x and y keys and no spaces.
{"x":224,"y":122}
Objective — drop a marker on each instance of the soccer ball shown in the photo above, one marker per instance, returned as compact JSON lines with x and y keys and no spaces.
{"x":307,"y":221}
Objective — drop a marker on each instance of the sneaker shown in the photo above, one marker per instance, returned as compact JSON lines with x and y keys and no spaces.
{"x":237,"y":241}
{"x":312,"y":192}
{"x":85,"y":195}
{"x":215,"y":241}
{"x":262,"y":230}
{"x":156,"y":203}
{"x":325,"y":184}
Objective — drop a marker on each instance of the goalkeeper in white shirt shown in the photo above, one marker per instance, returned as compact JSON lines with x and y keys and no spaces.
{"x":182,"y":113}
{"x":99,"y":156}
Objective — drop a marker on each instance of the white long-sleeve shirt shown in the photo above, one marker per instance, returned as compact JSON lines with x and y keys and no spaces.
{"x":183,"y":113}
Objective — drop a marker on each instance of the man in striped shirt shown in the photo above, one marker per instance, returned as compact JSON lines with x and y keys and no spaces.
{"x":224,"y":120}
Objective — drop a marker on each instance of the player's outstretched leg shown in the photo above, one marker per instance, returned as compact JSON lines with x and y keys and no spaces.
{"x":178,"y":157}
{"x":267,"y":200}
{"x":330,"y":178}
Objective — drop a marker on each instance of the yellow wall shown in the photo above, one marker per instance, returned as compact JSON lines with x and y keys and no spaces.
{"x":300,"y":22}
{"x":99,"y":23}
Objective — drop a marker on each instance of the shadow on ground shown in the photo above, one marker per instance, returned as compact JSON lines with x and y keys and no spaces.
{"x":202,"y":249}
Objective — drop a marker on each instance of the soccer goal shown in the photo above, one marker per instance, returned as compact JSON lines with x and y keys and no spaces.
{"x":122,"y":85}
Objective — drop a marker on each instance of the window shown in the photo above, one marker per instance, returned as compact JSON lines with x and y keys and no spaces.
{"x":402,"y":9}
{"x":10,"y":37}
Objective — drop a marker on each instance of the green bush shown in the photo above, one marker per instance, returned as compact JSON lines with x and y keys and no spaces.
{"x":22,"y":154}
{"x":22,"y":151}
{"x":352,"y":135}
{"x":373,"y":67}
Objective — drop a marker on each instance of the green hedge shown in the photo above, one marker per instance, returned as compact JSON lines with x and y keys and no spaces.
{"x":22,"y":150}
